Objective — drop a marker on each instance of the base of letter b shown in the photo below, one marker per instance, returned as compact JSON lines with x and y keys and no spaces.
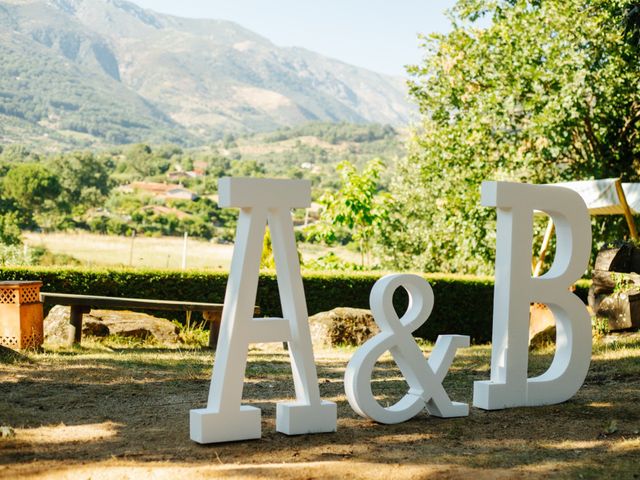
{"x":490,"y":395}
{"x":208,"y":426}
{"x":299,"y":419}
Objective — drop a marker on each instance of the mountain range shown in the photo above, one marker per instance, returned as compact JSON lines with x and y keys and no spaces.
{"x":87,"y":72}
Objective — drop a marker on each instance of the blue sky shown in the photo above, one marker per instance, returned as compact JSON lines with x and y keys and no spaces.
{"x":377,"y":34}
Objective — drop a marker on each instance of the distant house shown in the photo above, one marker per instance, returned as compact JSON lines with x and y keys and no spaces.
{"x":162,"y":190}
{"x":180,"y":193}
{"x":200,"y":167}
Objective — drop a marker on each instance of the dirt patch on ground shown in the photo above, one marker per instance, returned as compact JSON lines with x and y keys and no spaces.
{"x":124,"y":413}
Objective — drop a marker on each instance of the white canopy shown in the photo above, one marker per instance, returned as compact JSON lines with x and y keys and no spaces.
{"x":601,"y":196}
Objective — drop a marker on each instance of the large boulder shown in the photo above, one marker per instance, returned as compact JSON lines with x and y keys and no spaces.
{"x":100,"y":323}
{"x":614,"y":295}
{"x":540,"y":318}
{"x":543,"y":338}
{"x":621,"y":310}
{"x":137,"y":325}
{"x":623,"y":257}
{"x":342,"y":326}
{"x":94,"y":327}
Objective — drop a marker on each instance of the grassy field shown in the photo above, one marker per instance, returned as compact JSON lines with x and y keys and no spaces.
{"x":103,"y":411}
{"x":152,"y":252}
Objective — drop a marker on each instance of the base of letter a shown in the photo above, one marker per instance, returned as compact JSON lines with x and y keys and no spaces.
{"x":297,"y":419}
{"x":207,"y":426}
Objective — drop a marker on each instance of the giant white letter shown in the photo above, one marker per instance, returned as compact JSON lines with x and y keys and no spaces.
{"x":515,"y":289}
{"x":262,"y":201}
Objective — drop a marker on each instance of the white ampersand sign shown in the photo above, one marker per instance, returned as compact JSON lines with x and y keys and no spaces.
{"x":423,"y":376}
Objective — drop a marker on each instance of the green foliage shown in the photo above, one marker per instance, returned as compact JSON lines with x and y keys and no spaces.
{"x":42,"y":94}
{"x":192,"y":332}
{"x":464,"y":304}
{"x":30,"y":185}
{"x":331,"y":262}
{"x":357,"y":210}
{"x":33,"y":188}
{"x":13,"y":255}
{"x":84,"y":180}
{"x":17,"y":153}
{"x":87,"y":197}
{"x":140,"y":161}
{"x":10,"y":233}
{"x":200,"y":218}
{"x":267,"y":261}
{"x":246,"y":168}
{"x":312,"y":151}
{"x":599,"y":326}
{"x":43,"y":257}
{"x":335,"y":132}
{"x":548,"y":91}
{"x":622,"y":283}
{"x":16,"y":255}
{"x":632,"y":24}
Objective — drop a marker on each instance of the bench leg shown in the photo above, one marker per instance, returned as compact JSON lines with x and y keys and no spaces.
{"x":75,"y":319}
{"x":214,"y":319}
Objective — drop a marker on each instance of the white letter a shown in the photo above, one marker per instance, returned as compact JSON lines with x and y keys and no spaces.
{"x":224,"y":419}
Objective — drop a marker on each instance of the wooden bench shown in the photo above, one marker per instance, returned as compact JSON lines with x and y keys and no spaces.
{"x":81,"y":304}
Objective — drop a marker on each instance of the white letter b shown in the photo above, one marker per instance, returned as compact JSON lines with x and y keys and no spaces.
{"x":515,"y":290}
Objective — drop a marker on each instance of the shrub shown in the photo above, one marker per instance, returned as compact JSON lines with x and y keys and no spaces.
{"x":463,"y":305}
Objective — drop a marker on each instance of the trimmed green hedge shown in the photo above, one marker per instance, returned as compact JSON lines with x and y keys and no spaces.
{"x":463,"y":305}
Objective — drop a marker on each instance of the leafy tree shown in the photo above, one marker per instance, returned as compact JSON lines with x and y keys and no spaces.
{"x":547,"y":91}
{"x":10,"y":229}
{"x":142,"y":161}
{"x":229,"y":141}
{"x":84,"y":180}
{"x":32,"y":188}
{"x":217,"y":166}
{"x":267,"y":259}
{"x":169,"y":151}
{"x":17,"y":153}
{"x":632,"y":24}
{"x":357,"y":210}
{"x":247,"y":168}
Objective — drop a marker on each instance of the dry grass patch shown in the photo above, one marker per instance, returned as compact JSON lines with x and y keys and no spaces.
{"x":92,"y":249}
{"x":106,"y":412}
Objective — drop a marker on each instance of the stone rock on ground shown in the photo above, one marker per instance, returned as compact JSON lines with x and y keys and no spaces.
{"x":540,"y":318}
{"x":342,"y":326}
{"x":94,"y":327}
{"x":58,"y":330}
{"x":543,"y":338}
{"x":137,"y":325}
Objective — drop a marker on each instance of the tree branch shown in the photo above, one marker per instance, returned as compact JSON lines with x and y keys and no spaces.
{"x":593,"y":141}
{"x":632,"y":120}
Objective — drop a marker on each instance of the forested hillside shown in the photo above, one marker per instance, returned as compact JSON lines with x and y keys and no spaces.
{"x":169,"y":190}
{"x":85,"y":73}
